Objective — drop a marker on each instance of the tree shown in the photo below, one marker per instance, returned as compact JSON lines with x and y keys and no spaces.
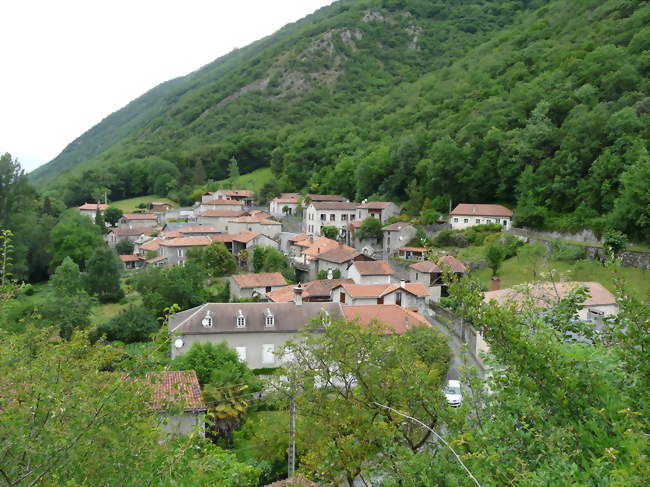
{"x":614,"y":242}
{"x":131,"y":325}
{"x":88,"y":419}
{"x":329,"y":232}
{"x":494,"y":254}
{"x":124,"y":247}
{"x":112,"y":215}
{"x":233,"y":171}
{"x":76,"y":237}
{"x":200,"y":175}
{"x":103,"y":277}
{"x":270,"y":189}
{"x":340,"y":376}
{"x":323,"y":274}
{"x":269,"y":259}
{"x":370,"y":228}
{"x":532,"y":255}
{"x":218,"y":260}
{"x":66,"y":279}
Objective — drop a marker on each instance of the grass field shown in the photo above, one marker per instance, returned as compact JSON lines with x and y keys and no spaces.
{"x":515,"y":271}
{"x":130,"y":205}
{"x":253,"y":180}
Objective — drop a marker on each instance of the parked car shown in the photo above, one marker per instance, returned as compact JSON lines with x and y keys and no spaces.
{"x":453,"y":393}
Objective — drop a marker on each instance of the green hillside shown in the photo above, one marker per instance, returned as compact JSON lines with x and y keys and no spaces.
{"x":540,"y":105}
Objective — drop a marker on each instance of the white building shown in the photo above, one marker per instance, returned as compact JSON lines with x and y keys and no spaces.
{"x":267,"y":227}
{"x":216,"y":204}
{"x":371,"y":272}
{"x":382,"y":210}
{"x":408,"y":295}
{"x":468,"y":214}
{"x":397,"y":235}
{"x":282,"y":206}
{"x":337,"y":214}
{"x":90,"y":210}
{"x":255,"y":285}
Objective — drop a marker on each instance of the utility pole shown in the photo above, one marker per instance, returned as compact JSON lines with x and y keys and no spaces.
{"x":291,"y":461}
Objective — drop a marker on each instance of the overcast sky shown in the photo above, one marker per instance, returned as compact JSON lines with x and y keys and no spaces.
{"x":67,"y":64}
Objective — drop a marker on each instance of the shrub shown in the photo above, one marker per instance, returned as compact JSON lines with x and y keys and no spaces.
{"x":131,"y":325}
{"x":567,"y":252}
{"x":336,"y":274}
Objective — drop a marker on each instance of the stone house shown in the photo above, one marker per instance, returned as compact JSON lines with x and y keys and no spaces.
{"x":249,"y":286}
{"x":135,"y":234}
{"x":131,"y":262}
{"x":312,"y":291}
{"x":218,"y":218}
{"x":244,"y":196}
{"x":339,"y":259}
{"x":336,"y":214}
{"x":175,"y":249}
{"x":468,"y":214}
{"x":371,"y":272}
{"x":398,"y":319}
{"x":135,"y":220}
{"x":172,"y":389}
{"x":408,"y":295}
{"x":431,"y":274}
{"x":265,"y":226}
{"x":397,"y":235}
{"x":381,"y":210}
{"x":159,"y":207}
{"x":90,"y":210}
{"x":278,"y":205}
{"x":218,"y":204}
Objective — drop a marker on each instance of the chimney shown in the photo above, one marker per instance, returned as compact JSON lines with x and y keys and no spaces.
{"x":297,"y":295}
{"x":495,"y":284}
{"x":402,"y":284}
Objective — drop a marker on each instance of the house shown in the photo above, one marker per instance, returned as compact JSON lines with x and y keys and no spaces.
{"x":398,"y":319}
{"x":339,"y":259}
{"x":370,"y":246}
{"x":468,"y":214}
{"x":396,"y":235}
{"x":599,"y":304}
{"x":325,"y":197}
{"x":135,"y":220}
{"x":218,"y":218}
{"x":159,"y":207}
{"x":312,"y":291}
{"x":149,"y":247}
{"x":255,"y":330}
{"x":371,"y":272}
{"x":250,"y":286}
{"x":244,"y":241}
{"x":381,"y":210}
{"x":304,"y":247}
{"x":283,"y":206}
{"x":132,"y":261}
{"x":218,"y":204}
{"x":158,"y":261}
{"x":175,"y":249}
{"x":412,"y":253}
{"x":174,"y":389}
{"x":244,"y":196}
{"x":262,"y":225}
{"x":430,"y":274}
{"x":336,"y":214}
{"x":190,"y":231}
{"x":117,"y":235}
{"x":407,"y":295}
{"x":90,"y":210}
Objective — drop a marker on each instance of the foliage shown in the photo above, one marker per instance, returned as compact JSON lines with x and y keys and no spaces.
{"x":219,"y":262}
{"x":323,"y":274}
{"x":124,"y":247}
{"x":75,"y":236}
{"x":103,"y":277}
{"x":88,"y":420}
{"x":338,"y":378}
{"x":226,"y":412}
{"x":67,"y":278}
{"x":565,"y":251}
{"x":269,"y":259}
{"x":370,"y":228}
{"x":614,"y":242}
{"x":133,"y":324}
{"x":270,"y":190}
{"x":329,"y":231}
{"x":161,"y":287}
{"x":112,"y":215}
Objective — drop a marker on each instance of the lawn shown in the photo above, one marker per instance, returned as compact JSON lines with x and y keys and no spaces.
{"x":130,"y":205}
{"x":253,"y":180}
{"x":516,"y":271}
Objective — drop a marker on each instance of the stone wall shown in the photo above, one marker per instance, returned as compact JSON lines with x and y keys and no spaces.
{"x":585,"y":236}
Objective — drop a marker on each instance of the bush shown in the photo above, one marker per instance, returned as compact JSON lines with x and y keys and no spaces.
{"x":125,"y":247}
{"x":567,"y":252}
{"x":336,"y":274}
{"x":444,"y":238}
{"x":131,"y":325}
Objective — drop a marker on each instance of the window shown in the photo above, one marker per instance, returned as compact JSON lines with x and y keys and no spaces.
{"x":466,"y":220}
{"x":267,"y":289}
{"x":268,"y":353}
{"x":269,"y":319}
{"x":323,"y":216}
{"x":505,"y":222}
{"x":241,"y":353}
{"x":352,"y":217}
{"x":478,"y":220}
{"x":241,"y":319}
{"x":488,"y":220}
{"x":332,"y":217}
{"x":416,"y":276}
{"x":455,"y":220}
{"x":344,"y":218}
{"x":180,"y":252}
{"x":398,"y":299}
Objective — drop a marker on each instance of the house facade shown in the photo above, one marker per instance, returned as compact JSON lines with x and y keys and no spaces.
{"x":244,"y":196}
{"x":381,"y":210}
{"x":267,"y":227}
{"x":283,"y":206}
{"x":406,"y":295}
{"x":336,"y":214}
{"x":218,"y":218}
{"x":397,"y":235}
{"x":175,"y":250}
{"x":90,"y":210}
{"x":249,"y":286}
{"x":430,"y":274}
{"x":371,"y":272}
{"x":218,"y":204}
{"x":468,"y":214}
{"x":138,"y":220}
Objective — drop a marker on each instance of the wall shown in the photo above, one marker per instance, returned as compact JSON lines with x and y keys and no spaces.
{"x":472,"y":220}
{"x":184,"y":424}
{"x":586,"y":236}
{"x":392,"y":240}
{"x":359,"y":279}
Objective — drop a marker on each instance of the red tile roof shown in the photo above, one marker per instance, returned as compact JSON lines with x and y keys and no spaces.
{"x":129,"y":232}
{"x":375,"y":205}
{"x":396,"y":227}
{"x":291,"y":201}
{"x":339,"y":255}
{"x":334,"y":205}
{"x":314,"y":289}
{"x":445,"y":261}
{"x":374,"y":268}
{"x":545,"y":293}
{"x":260,"y":280}
{"x":93,"y":206}
{"x":414,"y":249}
{"x":129,"y":258}
{"x":176,"y":387}
{"x":197,"y":229}
{"x":237,"y":192}
{"x":222,"y":213}
{"x":153,"y":244}
{"x":187,"y":242}
{"x":470,"y":209}
{"x":222,"y":203}
{"x":398,"y":319}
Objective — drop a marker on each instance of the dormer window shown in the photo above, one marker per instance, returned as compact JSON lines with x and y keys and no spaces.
{"x":241,"y":319}
{"x":269,"y":319}
{"x":207,"y":320}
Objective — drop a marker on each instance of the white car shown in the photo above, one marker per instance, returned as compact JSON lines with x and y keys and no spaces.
{"x":453,"y":393}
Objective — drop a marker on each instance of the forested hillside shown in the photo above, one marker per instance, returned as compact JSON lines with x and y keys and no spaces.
{"x":541,"y":105}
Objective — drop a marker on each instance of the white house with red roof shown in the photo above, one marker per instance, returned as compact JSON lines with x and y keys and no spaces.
{"x":406,"y":294}
{"x":284,"y":205}
{"x":371,"y":272}
{"x":469,"y":214}
{"x":338,"y":214}
{"x":431,"y":273}
{"x":381,"y":210}
{"x":138,"y":220}
{"x":249,"y":286}
{"x":90,"y":210}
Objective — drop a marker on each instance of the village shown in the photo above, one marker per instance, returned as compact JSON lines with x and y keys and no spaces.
{"x":388,"y":275}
